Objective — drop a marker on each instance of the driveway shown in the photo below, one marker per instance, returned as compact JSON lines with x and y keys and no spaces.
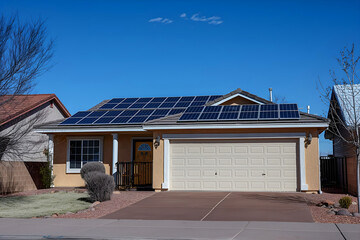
{"x":218,"y":206}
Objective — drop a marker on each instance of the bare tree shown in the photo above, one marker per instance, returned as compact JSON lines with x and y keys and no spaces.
{"x":343,"y":97}
{"x":25,"y":53}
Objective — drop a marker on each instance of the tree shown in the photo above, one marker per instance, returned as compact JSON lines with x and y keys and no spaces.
{"x":25,"y":53}
{"x":343,"y":99}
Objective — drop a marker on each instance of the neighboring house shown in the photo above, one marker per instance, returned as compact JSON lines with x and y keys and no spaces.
{"x":343,"y":117}
{"x":20,"y":146}
{"x":235,"y":142}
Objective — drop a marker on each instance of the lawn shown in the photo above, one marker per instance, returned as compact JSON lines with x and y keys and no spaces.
{"x":43,"y":204}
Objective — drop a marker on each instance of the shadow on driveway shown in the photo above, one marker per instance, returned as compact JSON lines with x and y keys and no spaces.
{"x":218,"y":206}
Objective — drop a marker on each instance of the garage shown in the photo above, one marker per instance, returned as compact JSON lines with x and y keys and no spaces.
{"x":233,"y":165}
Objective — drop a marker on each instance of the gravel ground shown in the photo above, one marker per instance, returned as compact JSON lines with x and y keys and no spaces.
{"x":320,"y":214}
{"x":119,"y":200}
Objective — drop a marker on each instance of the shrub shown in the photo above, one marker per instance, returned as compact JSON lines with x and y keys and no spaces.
{"x":100,"y":186}
{"x":345,"y":202}
{"x":92,"y":167}
{"x":46,"y":178}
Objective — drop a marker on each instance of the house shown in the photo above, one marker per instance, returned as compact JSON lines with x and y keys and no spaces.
{"x":21,"y":149}
{"x":232,"y":142}
{"x":341,"y":113}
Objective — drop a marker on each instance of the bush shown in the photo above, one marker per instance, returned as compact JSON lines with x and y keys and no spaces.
{"x":100,"y":186}
{"x":46,"y":178}
{"x":92,"y":167}
{"x":345,"y":202}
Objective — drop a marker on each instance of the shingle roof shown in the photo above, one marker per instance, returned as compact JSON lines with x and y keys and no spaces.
{"x":344,"y":95}
{"x":12,"y":107}
{"x":242,"y":92}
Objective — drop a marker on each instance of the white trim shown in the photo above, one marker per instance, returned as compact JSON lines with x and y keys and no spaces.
{"x":300,"y":136}
{"x":236,"y":95}
{"x":115,"y":153}
{"x":86,"y":130}
{"x":165,"y":184}
{"x":303,"y":185}
{"x":101,"y":140}
{"x":234,"y":136}
{"x":236,"y":126}
{"x":51,"y":154}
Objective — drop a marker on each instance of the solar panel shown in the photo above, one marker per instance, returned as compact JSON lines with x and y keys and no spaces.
{"x":187,"y":99}
{"x":161,"y":111}
{"x":289,"y":114}
{"x":212,"y":109}
{"x":212,"y":98}
{"x":158,"y":99}
{"x":108,"y":106}
{"x":145,"y":112}
{"x":138,"y":119}
{"x":87,"y":120}
{"x":113,"y":113}
{"x":288,"y":106}
{"x":116,"y":100}
{"x":250,"y":108}
{"x":96,"y":114}
{"x":121,"y":120}
{"x":269,"y":107}
{"x":152,"y":117}
{"x":182,"y":104}
{"x":130,"y":100}
{"x":234,"y":108}
{"x":195,"y":103}
{"x":201,"y":98}
{"x":229,"y":113}
{"x":81,"y":114}
{"x":167,"y":105}
{"x":153,"y":105}
{"x":104,"y":120}
{"x":128,"y":113}
{"x":143,"y":100}
{"x":137,"y":105}
{"x":122,"y":105}
{"x":176,"y":111}
{"x":248,"y":115}
{"x":194,"y":109}
{"x":269,"y":115}
{"x":71,"y":120}
{"x":172,"y":99}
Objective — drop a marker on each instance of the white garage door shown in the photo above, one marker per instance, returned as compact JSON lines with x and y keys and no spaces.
{"x":233,"y":165}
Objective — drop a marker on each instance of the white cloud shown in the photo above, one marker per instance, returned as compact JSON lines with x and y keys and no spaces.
{"x":215,"y":20}
{"x":161,"y":20}
{"x":183,"y":15}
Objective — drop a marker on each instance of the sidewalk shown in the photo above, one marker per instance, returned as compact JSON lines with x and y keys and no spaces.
{"x":140,"y":229}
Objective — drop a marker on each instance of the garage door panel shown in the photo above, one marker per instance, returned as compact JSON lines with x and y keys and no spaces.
{"x":233,"y":166}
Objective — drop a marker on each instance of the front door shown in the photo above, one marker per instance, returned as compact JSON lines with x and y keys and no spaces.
{"x":142,"y":162}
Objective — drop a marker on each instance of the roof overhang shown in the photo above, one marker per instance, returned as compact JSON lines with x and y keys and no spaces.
{"x":89,"y":130}
{"x":237,"y":126}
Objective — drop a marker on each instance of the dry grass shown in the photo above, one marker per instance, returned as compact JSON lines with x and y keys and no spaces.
{"x":43,"y":204}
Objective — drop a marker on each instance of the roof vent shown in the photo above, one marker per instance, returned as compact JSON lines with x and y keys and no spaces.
{"x":270,"y":93}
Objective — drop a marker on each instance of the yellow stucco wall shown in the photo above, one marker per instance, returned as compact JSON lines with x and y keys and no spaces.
{"x":63,"y":179}
{"x":125,"y":147}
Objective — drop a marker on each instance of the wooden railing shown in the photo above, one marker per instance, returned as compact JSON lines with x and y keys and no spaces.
{"x":134,"y":174}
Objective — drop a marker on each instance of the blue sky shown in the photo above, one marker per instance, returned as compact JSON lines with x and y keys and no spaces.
{"x":107,"y":49}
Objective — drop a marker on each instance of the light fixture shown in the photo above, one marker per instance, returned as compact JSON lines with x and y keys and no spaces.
{"x":157,"y":142}
{"x":308,"y":139}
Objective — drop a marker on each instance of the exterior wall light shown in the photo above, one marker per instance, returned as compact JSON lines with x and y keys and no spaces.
{"x":308,"y":139}
{"x":157,"y":142}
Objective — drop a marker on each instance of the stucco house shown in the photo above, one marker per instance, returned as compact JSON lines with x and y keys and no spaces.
{"x":232,"y":142}
{"x":20,"y":147}
{"x":341,"y":113}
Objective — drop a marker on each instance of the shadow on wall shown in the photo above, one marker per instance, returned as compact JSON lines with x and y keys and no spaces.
{"x":16,"y":177}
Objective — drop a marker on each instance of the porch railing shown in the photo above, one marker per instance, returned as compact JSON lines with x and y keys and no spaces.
{"x":134,"y":174}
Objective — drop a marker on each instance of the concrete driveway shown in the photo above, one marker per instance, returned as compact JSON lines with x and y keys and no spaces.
{"x":218,"y":206}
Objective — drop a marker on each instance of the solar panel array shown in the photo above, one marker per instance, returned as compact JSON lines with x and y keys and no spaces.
{"x":136,"y":110}
{"x":241,"y":112}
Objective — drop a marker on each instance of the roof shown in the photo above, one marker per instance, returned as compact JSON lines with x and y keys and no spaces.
{"x":344,"y":95}
{"x":241,"y":92}
{"x":14,"y":106}
{"x":173,"y":120}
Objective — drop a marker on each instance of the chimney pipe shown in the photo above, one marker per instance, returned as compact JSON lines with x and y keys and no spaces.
{"x":270,"y":92}
{"x":308,"y":109}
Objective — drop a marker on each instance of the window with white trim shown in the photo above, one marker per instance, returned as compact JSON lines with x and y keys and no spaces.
{"x":82,"y":151}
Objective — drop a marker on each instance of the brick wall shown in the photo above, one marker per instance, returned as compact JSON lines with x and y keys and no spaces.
{"x":17,"y":176}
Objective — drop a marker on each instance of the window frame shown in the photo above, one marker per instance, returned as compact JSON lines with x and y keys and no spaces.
{"x":69,"y":139}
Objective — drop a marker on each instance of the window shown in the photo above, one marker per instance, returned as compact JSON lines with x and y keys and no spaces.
{"x":81,"y":151}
